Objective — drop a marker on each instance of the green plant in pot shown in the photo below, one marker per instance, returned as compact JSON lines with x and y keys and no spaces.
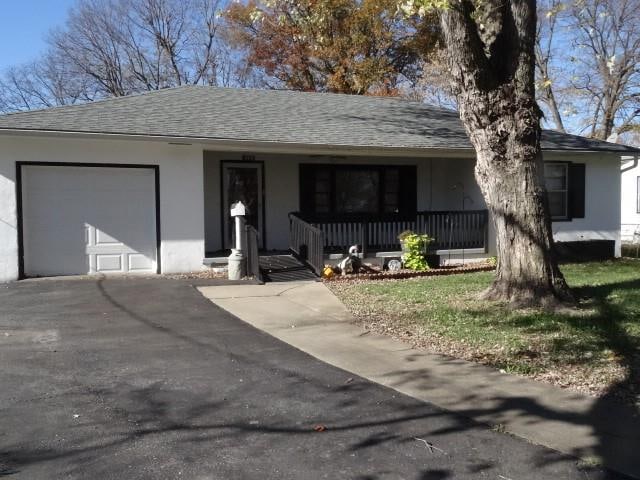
{"x":414,"y":249}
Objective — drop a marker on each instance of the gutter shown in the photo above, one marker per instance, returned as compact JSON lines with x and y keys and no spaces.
{"x":633,"y":165}
{"x":252,"y":146}
{"x":262,"y":146}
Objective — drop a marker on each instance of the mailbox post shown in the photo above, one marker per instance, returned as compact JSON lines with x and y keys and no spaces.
{"x":237,"y":259}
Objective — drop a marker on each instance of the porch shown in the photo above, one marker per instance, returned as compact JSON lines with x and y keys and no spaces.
{"x":342,"y":201}
{"x":341,"y":189}
{"x":313,"y":238}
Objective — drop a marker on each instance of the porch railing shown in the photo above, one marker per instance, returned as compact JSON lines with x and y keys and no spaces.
{"x":452,"y":230}
{"x":253,"y":257}
{"x":307,"y":242}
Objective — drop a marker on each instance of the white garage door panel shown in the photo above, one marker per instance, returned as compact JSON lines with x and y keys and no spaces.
{"x":87,"y":220}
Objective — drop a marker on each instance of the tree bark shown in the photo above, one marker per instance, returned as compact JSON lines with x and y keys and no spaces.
{"x":493,"y":70}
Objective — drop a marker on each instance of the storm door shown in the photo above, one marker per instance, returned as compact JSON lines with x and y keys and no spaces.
{"x":242,"y":181}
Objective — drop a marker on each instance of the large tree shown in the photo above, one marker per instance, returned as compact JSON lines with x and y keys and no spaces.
{"x":490,"y":48}
{"x":588,"y":57}
{"x":342,"y":46}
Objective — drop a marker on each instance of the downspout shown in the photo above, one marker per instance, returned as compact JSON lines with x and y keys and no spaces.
{"x":633,"y":165}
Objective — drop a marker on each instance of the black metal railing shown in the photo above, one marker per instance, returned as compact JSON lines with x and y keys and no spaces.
{"x":451,"y":230}
{"x":253,"y":257}
{"x":307,"y":242}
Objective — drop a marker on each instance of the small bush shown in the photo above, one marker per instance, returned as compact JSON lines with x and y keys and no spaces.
{"x":404,"y":234}
{"x":415,"y":247}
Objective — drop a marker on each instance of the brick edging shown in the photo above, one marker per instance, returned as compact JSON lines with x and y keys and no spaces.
{"x":409,"y":274}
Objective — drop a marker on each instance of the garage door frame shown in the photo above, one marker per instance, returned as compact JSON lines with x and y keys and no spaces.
{"x":19,"y":193}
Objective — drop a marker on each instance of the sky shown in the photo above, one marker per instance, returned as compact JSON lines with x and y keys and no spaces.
{"x":24,"y":25}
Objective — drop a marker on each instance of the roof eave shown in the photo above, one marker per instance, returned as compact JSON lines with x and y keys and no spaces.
{"x":235,"y":145}
{"x":252,"y":146}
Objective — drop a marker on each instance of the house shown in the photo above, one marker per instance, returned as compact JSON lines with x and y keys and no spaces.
{"x":630,"y":206}
{"x":144,"y":183}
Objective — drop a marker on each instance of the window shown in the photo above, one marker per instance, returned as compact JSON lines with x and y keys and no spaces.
{"x":556,"y":177}
{"x":357,"y":190}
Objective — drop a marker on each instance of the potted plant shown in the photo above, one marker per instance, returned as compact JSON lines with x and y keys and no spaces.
{"x":402,"y":237}
{"x":414,"y":249}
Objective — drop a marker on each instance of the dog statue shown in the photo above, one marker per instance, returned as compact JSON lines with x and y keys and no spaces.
{"x":351,"y":263}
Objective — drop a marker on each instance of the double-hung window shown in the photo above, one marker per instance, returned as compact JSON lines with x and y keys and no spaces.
{"x":557,"y":182}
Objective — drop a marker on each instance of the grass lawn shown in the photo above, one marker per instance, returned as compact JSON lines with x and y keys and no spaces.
{"x":593,"y":349}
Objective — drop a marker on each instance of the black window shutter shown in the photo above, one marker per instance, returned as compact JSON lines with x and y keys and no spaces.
{"x":307,"y":188}
{"x":576,"y":190}
{"x":408,"y":191}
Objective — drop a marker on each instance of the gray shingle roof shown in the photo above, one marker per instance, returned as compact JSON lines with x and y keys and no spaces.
{"x":274,"y":116}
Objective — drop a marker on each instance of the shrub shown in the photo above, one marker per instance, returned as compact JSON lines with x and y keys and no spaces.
{"x":415,"y":248}
{"x":404,"y":234}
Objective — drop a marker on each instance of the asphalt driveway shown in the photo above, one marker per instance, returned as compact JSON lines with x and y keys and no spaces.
{"x":145,"y":378}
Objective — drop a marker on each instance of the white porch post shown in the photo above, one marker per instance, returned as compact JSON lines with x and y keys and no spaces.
{"x":237,"y":259}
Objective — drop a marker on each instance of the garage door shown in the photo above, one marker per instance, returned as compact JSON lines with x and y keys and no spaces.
{"x":88,"y":220}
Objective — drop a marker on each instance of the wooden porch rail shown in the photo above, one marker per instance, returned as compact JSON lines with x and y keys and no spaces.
{"x":253,"y":256}
{"x":307,"y":242}
{"x":452,"y":230}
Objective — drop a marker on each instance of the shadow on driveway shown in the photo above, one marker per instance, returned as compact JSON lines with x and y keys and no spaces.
{"x":145,"y":378}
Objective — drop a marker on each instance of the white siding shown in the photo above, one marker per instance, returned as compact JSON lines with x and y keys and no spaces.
{"x":602,"y":202}
{"x":8,"y":219}
{"x":630,"y":214}
{"x":181,"y":190}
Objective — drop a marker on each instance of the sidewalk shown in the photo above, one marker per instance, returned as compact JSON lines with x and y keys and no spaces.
{"x":309,"y":317}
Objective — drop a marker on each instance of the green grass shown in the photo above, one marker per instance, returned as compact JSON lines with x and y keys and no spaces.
{"x":592,"y":347}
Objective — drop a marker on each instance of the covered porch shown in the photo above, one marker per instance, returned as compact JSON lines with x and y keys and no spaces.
{"x":317,"y":206}
{"x":315,"y":239}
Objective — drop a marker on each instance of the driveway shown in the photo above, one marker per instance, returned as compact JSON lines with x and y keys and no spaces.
{"x":145,"y":378}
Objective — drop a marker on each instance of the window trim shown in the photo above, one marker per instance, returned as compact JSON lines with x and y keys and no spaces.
{"x":567,"y":216}
{"x":638,"y":194}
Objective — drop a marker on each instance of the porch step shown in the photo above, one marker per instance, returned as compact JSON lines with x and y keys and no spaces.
{"x":284,"y":268}
{"x":215,"y":261}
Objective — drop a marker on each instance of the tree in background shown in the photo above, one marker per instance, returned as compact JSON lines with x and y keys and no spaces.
{"x":342,"y":46}
{"x":588,"y":60}
{"x":608,"y":56}
{"x":586,"y":55}
{"x":490,"y":49}
{"x":111,"y":48}
{"x":551,"y":82}
{"x":40,"y":84}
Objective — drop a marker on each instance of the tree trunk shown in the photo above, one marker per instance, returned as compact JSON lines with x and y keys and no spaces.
{"x":493,"y":71}
{"x":509,"y":172}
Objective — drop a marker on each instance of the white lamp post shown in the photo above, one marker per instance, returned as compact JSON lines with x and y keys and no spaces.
{"x":237,"y":259}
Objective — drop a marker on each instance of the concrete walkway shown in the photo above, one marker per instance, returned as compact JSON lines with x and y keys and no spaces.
{"x":308,"y":316}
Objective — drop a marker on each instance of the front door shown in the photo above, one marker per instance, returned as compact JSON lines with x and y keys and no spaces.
{"x":242,"y":181}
